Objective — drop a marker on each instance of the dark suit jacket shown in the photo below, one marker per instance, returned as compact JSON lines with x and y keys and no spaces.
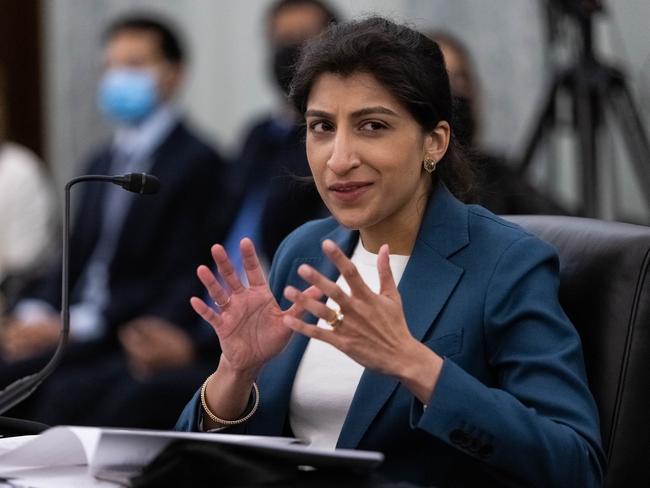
{"x":272,"y":157}
{"x":511,"y":405}
{"x":163,"y":238}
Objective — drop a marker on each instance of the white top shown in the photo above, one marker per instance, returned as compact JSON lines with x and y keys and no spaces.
{"x":327,"y":379}
{"x":26,"y":211}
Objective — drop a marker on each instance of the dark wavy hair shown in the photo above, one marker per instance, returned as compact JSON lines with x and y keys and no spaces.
{"x":407,"y":63}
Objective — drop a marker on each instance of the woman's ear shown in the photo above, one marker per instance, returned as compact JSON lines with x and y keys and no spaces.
{"x":436,"y":142}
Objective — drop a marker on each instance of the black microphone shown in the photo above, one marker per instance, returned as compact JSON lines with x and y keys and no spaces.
{"x":138,"y":183}
{"x":20,"y":389}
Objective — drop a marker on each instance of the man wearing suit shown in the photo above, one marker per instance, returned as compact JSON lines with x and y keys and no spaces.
{"x":273,"y":200}
{"x":132,"y":257}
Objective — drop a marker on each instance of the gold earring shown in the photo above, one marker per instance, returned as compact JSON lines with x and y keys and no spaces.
{"x":429,"y":164}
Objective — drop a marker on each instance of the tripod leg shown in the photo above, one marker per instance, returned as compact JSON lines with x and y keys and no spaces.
{"x":588,"y":108}
{"x":545,"y":120}
{"x":634,"y":133}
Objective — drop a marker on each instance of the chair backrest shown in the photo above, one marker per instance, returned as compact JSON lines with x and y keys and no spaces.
{"x":605,"y":290}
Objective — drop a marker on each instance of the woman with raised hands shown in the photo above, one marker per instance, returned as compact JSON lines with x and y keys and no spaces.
{"x":409,"y":322}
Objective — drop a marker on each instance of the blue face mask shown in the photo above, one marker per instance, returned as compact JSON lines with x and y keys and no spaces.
{"x":127,"y":96}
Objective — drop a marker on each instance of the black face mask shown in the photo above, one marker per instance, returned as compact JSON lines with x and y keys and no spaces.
{"x":463,"y":121}
{"x":284,"y":60}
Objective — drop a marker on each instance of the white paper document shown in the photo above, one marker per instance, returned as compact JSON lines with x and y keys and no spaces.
{"x":117,"y":454}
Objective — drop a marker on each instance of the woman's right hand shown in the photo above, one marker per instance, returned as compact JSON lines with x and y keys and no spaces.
{"x":249,"y":321}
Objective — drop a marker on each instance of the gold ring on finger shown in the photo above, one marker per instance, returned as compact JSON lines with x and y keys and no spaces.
{"x":337,"y":320}
{"x":224,"y":304}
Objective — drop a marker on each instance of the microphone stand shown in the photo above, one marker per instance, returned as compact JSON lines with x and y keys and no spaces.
{"x":22,"y":388}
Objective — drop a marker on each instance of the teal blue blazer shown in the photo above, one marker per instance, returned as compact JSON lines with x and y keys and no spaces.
{"x":511,"y":407}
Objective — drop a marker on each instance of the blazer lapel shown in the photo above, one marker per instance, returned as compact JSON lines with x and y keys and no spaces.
{"x":427,"y":282}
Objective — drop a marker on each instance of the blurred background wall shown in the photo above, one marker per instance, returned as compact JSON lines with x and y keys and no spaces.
{"x":228,"y":82}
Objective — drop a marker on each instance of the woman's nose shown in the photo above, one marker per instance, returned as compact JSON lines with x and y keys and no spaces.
{"x":343,"y":158}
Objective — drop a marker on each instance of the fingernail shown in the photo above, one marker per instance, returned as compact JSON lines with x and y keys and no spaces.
{"x":304,"y":270}
{"x":329,"y":245}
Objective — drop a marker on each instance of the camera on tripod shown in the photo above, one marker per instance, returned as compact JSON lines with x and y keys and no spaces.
{"x":579,"y":8}
{"x":596,"y":92}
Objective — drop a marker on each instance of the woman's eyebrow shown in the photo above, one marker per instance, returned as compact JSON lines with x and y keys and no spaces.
{"x":373,"y":110}
{"x":357,"y":113}
{"x":317,"y":113}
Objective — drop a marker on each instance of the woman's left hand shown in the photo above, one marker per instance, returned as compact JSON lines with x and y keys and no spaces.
{"x":373,"y":330}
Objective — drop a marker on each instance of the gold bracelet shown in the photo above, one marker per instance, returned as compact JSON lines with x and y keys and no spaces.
{"x":218,"y":420}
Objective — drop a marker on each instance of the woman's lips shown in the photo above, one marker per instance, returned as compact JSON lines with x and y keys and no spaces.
{"x":349,"y":192}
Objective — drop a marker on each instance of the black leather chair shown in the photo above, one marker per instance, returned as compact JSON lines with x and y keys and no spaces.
{"x":605,"y":290}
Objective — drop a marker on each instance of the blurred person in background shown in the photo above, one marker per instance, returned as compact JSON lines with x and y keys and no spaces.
{"x":27,"y":209}
{"x":27,"y":218}
{"x":273,"y":201}
{"x":500,"y":188}
{"x":132,"y":256}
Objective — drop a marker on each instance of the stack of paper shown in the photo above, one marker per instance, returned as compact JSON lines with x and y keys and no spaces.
{"x":82,"y":456}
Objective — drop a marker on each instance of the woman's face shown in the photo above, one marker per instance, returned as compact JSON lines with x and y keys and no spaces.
{"x":366,"y":150}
